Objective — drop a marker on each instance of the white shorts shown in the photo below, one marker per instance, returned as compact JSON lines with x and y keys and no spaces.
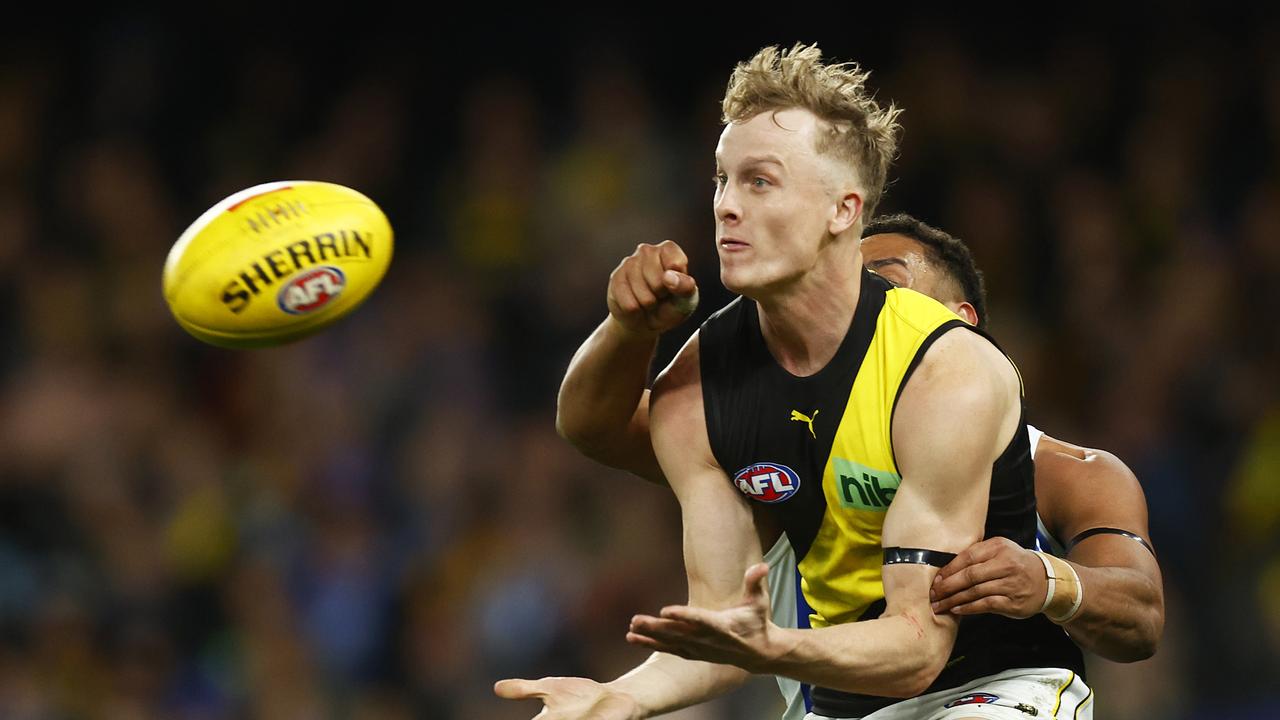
{"x":1041,"y":693}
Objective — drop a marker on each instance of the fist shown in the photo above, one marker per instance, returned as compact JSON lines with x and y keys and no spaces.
{"x":651,"y":291}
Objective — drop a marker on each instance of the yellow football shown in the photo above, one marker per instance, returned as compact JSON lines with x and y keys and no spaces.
{"x":276,"y":262}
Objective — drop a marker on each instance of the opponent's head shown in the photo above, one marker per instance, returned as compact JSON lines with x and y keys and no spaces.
{"x":911,"y":253}
{"x":802,"y":159}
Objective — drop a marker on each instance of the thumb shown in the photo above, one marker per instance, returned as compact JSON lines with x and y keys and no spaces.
{"x":684,"y":291}
{"x":679,"y":283}
{"x":517,"y":689}
{"x":755,"y":582}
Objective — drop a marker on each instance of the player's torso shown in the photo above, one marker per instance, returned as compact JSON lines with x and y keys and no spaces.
{"x":816,"y":453}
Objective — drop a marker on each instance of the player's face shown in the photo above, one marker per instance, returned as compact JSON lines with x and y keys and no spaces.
{"x":902,"y":261}
{"x":773,"y":201}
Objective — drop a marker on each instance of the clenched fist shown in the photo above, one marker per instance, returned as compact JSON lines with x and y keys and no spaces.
{"x":651,"y":290}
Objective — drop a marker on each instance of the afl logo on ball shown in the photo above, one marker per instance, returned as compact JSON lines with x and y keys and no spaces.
{"x":767,"y":482}
{"x":311,"y":290}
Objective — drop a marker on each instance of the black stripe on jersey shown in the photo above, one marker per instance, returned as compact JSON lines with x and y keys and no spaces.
{"x":745,"y":428}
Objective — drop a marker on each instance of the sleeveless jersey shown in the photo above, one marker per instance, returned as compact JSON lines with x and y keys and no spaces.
{"x":817,"y":451}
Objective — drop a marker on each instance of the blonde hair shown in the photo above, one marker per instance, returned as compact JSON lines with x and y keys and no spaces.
{"x":860,"y":132}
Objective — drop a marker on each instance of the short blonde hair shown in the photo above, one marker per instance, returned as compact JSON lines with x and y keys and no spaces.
{"x":861,"y":132}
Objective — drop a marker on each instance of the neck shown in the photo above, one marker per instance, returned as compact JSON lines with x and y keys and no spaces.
{"x":805,"y":322}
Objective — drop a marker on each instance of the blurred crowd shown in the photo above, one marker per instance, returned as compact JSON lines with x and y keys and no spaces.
{"x":380,"y":521}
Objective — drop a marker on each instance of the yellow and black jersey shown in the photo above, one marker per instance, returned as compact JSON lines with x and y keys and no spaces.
{"x":817,"y":453}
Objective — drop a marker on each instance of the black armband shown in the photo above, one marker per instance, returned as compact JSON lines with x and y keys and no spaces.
{"x":916,"y":556}
{"x":1109,"y":531}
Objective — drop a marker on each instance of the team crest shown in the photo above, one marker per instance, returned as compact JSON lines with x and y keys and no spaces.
{"x":973,"y":699}
{"x":767,"y":482}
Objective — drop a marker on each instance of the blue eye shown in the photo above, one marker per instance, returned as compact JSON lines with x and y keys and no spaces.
{"x":720,"y":179}
{"x":760,"y":182}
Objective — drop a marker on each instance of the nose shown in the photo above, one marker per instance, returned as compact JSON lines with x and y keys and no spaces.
{"x":727,"y":208}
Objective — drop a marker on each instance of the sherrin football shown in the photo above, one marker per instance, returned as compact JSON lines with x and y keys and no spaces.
{"x":276,"y":263}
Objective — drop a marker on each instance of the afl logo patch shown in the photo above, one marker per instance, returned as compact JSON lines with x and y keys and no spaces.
{"x":311,"y":290}
{"x":974,"y":699}
{"x":767,"y":482}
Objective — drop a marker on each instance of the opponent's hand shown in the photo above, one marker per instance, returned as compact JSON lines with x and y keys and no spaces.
{"x":571,"y":698}
{"x":994,"y":576}
{"x":741,"y":635}
{"x":651,"y":290}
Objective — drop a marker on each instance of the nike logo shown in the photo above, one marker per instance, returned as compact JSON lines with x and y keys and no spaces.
{"x":801,"y":417}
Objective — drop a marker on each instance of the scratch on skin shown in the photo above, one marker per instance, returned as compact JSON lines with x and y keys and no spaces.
{"x":915,"y":624}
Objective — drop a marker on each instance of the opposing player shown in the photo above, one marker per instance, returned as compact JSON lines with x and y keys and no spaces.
{"x":803,"y":155}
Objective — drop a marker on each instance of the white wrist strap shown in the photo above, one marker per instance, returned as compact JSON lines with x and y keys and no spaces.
{"x":1053,"y":582}
{"x":1053,"y":586}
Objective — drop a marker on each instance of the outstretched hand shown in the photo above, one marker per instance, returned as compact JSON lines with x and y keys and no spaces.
{"x":741,"y":635}
{"x":571,"y":698}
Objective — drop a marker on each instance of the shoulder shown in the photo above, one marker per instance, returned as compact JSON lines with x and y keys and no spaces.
{"x":916,"y":309}
{"x":967,"y":364}
{"x":965,"y":398}
{"x":1085,"y":487}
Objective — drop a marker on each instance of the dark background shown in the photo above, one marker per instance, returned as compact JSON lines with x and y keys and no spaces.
{"x":380,"y":521}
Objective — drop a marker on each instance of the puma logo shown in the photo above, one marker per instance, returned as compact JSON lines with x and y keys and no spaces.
{"x":801,"y":417}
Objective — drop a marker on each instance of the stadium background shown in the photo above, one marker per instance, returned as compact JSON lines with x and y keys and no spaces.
{"x":379,"y":522}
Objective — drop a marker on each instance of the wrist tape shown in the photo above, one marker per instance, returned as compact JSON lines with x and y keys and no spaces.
{"x":1065,"y":594}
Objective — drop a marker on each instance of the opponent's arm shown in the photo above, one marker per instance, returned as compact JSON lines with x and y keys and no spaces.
{"x":940,"y":505}
{"x":603,"y":407}
{"x":1121,"y":615}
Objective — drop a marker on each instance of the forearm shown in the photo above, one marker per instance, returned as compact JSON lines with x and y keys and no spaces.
{"x":894,"y":655}
{"x":602,"y":388}
{"x":1121,"y":615}
{"x":665,"y":683}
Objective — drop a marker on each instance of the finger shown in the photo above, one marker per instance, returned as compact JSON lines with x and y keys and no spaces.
{"x":620,"y":294}
{"x":640,"y":288}
{"x":673,"y":257}
{"x":651,"y":270}
{"x":974,"y":554}
{"x":965,"y":578}
{"x":678,"y":283}
{"x":990,"y":604}
{"x":667,"y":627}
{"x":659,"y":646}
{"x":518,"y":689}
{"x":990,"y":588}
{"x":755,"y":581}
{"x":689,"y":615}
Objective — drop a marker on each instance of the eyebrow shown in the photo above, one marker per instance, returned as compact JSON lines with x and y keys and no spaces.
{"x":753,"y":160}
{"x":875,"y":264}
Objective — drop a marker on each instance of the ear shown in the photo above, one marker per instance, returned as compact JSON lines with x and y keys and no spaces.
{"x":848,"y":210}
{"x":967,"y":313}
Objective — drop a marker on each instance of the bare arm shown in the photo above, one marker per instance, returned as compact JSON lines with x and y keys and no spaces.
{"x":603,"y":407}
{"x":1122,"y":614}
{"x":662,"y":684}
{"x":1122,"y":617}
{"x":940,"y":505}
